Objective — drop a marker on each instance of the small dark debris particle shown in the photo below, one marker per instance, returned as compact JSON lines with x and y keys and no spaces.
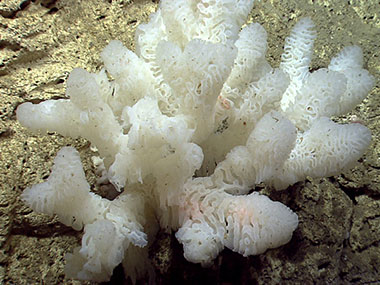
{"x":134,"y":21}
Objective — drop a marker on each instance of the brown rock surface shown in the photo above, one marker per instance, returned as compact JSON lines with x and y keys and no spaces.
{"x":41,"y":41}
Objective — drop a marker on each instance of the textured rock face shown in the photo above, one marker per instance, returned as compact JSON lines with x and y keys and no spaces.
{"x":261,"y":263}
